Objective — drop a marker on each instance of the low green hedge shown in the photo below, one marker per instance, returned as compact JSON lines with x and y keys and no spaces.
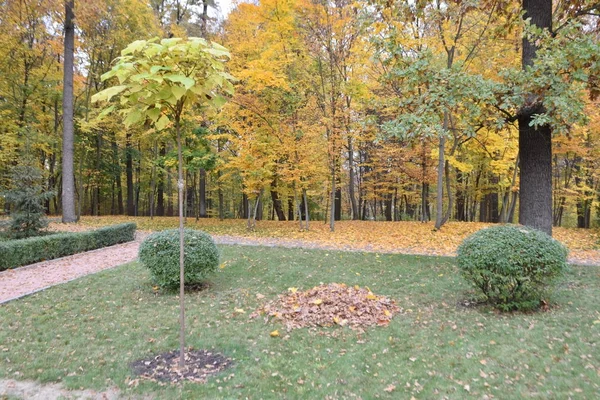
{"x":15,"y":253}
{"x":514,"y":266}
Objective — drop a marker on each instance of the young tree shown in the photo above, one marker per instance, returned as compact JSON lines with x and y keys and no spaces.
{"x":158,"y":82}
{"x":27,"y":198}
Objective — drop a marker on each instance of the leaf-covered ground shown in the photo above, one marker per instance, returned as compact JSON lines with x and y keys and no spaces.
{"x":86,"y":334}
{"x":401,"y":237}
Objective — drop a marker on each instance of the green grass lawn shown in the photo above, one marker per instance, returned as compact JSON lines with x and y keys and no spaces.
{"x":85,"y":333}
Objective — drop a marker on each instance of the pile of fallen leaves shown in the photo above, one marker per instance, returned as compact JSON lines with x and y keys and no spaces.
{"x":332,"y":304}
{"x":199,"y":365}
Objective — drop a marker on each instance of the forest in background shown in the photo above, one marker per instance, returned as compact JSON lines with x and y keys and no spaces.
{"x":342,"y":110}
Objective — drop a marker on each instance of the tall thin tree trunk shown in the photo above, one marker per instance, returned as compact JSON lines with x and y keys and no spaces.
{"x":129,"y":175}
{"x":180,"y":186}
{"x":354,"y":207}
{"x":202,"y":194}
{"x":439,"y":204}
{"x":153,"y":182}
{"x":306,"y":211}
{"x":68,"y":184}
{"x":332,"y":212}
{"x":160,"y":191}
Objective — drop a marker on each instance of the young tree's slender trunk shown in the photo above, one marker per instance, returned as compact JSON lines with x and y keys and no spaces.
{"x":180,"y":186}
{"x":68,"y":184}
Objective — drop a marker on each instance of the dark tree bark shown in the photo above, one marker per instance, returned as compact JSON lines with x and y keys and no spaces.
{"x":129,"y":175}
{"x":355,"y":213}
{"x":244,"y":207}
{"x":202,"y":194}
{"x":68,"y":177}
{"x":535,"y":145}
{"x":278,"y":208}
{"x":160,"y":191}
{"x":461,"y":212}
{"x":290,"y":208}
{"x":117,"y":175}
{"x":388,"y":207}
{"x":425,"y":202}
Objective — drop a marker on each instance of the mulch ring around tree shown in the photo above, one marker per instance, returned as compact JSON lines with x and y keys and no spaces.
{"x":199,"y":365}
{"x":329,"y":305}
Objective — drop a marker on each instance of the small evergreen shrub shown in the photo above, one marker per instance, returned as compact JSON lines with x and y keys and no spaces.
{"x":159,"y":252}
{"x":27,"y":198}
{"x":513,"y":266}
{"x":15,"y":253}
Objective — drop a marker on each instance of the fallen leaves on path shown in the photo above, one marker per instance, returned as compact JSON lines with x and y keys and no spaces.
{"x":372,"y":235}
{"x":328,"y":305}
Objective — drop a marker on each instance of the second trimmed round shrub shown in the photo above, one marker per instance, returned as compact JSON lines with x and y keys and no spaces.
{"x":159,"y":252}
{"x":512,"y":265}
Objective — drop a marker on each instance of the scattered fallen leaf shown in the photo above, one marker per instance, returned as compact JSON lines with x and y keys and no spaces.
{"x":275,"y":333}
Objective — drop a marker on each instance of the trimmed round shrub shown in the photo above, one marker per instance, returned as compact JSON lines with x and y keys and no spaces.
{"x":159,"y":252}
{"x":514,"y":266}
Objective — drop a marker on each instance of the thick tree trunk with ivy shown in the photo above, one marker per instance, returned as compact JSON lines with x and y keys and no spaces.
{"x":68,"y":177}
{"x":535,"y":144}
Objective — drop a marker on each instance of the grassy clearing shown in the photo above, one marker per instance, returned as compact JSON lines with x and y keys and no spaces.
{"x":85,"y":333}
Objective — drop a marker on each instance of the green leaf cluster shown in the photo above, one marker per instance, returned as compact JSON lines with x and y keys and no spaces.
{"x":513,"y":266}
{"x":159,"y":252}
{"x":157,"y":80}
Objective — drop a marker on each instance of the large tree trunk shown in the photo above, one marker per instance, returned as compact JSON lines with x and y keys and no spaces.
{"x":277,"y":203}
{"x":68,"y":183}
{"x":535,"y":145}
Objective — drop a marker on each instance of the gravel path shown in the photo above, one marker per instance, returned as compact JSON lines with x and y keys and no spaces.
{"x":36,"y":277}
